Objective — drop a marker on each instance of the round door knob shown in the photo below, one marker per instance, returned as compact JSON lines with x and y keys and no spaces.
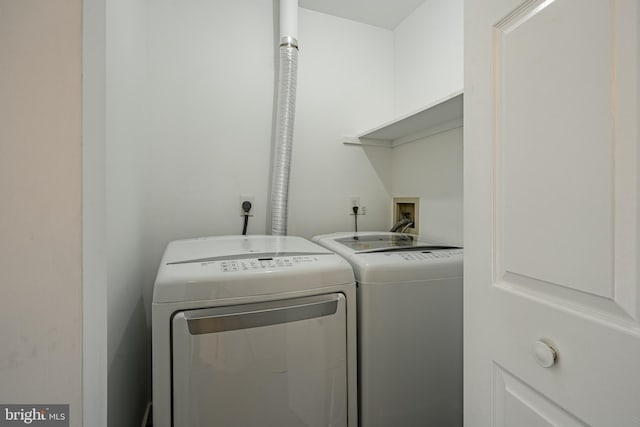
{"x":545,"y":355}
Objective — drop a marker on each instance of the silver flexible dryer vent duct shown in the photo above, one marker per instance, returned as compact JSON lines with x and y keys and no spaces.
{"x":285,"y":114}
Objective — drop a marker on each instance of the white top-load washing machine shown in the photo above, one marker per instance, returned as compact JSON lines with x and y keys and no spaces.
{"x":253,"y":331}
{"x":409,"y":326}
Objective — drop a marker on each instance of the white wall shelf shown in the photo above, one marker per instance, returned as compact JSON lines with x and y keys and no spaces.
{"x":440,"y":116}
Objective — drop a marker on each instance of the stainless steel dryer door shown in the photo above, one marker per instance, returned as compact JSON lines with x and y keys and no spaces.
{"x":276,"y":363}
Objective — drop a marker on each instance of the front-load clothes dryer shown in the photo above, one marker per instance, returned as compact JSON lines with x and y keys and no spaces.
{"x":253,"y":331}
{"x":409,"y":326}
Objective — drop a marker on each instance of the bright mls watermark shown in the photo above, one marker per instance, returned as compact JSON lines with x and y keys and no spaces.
{"x":34,"y":415}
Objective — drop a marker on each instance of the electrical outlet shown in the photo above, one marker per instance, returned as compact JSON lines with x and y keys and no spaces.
{"x":247,"y":198}
{"x":354,"y":201}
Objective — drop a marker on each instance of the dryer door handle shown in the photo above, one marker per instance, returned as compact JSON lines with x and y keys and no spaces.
{"x":231,"y":318}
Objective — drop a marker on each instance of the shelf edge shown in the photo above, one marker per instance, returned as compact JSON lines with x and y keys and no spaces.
{"x":354,"y":140}
{"x":431,"y":131}
{"x":413,"y":113}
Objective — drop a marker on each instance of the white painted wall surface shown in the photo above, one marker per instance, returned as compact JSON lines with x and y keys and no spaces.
{"x":428,"y":48}
{"x":126,"y":133}
{"x":40,"y":219}
{"x":345,"y":84}
{"x":94,"y":214}
{"x":432,"y":170}
{"x":211,"y":102}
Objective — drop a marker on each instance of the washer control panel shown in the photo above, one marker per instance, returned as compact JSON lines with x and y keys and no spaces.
{"x":425,"y":255}
{"x":264,"y":263}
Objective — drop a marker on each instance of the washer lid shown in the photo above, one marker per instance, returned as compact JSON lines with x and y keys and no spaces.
{"x":370,"y":242}
{"x":389,"y":243}
{"x":386,"y":257}
{"x":236,"y":266}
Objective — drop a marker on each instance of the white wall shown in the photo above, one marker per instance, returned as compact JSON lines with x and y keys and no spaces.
{"x":128,"y":335}
{"x":126,"y":132}
{"x":432,"y":170}
{"x":94,"y":242}
{"x":41,"y":217}
{"x":428,"y":48}
{"x":211,"y":103}
{"x":428,"y":55}
{"x":345,"y":85}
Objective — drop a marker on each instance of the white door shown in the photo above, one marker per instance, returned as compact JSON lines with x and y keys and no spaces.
{"x":551,"y":213}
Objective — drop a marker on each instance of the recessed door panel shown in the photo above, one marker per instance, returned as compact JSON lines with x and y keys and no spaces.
{"x":518,"y":405}
{"x":565,"y":158}
{"x":555,"y":144}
